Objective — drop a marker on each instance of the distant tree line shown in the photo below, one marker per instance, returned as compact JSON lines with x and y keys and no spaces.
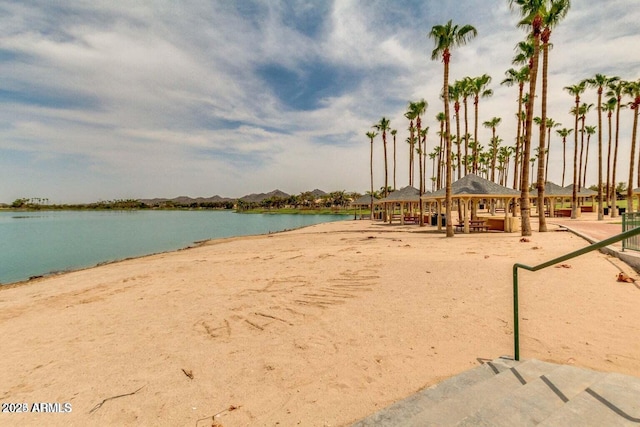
{"x":305,"y":200}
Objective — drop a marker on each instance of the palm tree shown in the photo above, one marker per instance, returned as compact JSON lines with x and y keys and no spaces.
{"x":564,"y":133}
{"x":519,"y":77}
{"x":583,"y":110}
{"x":493,"y":124}
{"x":433,"y":156}
{"x":465,"y":87}
{"x":550,"y":125}
{"x":446,"y":37}
{"x":479,"y":89}
{"x":609,"y":107}
{"x":615,"y":91}
{"x":383,"y":126}
{"x":552,"y":13}
{"x":410,"y":115}
{"x":590,"y":130}
{"x":532,"y":13}
{"x":632,"y":89}
{"x":419,"y":108}
{"x":575,"y":90}
{"x":440,"y":119}
{"x":394,"y":132}
{"x":455,"y":92}
{"x":599,"y":81}
{"x":371,"y":135}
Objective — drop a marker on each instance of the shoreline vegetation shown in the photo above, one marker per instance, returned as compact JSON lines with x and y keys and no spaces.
{"x":315,"y":202}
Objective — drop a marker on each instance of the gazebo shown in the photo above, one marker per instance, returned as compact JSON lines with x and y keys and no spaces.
{"x":366,"y":200}
{"x":552,"y":192}
{"x":408,"y":198}
{"x":470,"y":190}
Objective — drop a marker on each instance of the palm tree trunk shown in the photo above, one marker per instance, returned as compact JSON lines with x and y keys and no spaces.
{"x":394,"y":161}
{"x":608,"y":193}
{"x":581,"y":153}
{"x":386,"y":168}
{"x":574,"y":194}
{"x":525,"y":208}
{"x":564,"y":157}
{"x":631,"y":159}
{"x":600,"y":205}
{"x":466,"y":136}
{"x":457,"y":110}
{"x":586,"y":162}
{"x":474,"y":153}
{"x":371,"y":168}
{"x":542,"y":221}
{"x":546,"y":166}
{"x":614,"y":208}
{"x":448,"y":198}
{"x":516,"y":159}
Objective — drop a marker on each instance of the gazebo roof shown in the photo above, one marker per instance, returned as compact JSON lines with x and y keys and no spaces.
{"x":406,"y":194}
{"x":636,"y":190}
{"x":363,"y":200}
{"x":582,"y":191}
{"x":553,"y":190}
{"x":473,"y":185}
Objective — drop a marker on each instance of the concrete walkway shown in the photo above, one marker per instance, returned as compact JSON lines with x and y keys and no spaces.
{"x":504,"y":392}
{"x":589,"y":228}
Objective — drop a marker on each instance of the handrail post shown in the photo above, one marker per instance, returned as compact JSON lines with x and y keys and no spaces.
{"x":516,"y":329}
{"x":624,"y":228}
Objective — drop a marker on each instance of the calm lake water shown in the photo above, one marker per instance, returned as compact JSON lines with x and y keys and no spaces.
{"x":37,"y":243}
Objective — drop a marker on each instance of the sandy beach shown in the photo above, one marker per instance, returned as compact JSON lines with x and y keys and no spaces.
{"x":316,"y":327}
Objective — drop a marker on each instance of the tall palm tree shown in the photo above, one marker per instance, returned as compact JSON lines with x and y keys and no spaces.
{"x":552,"y":11}
{"x":590,"y":131}
{"x":419,"y":108}
{"x":583,"y":110}
{"x":446,"y":37}
{"x":411,"y":116}
{"x":575,"y":90}
{"x":455,"y":92}
{"x":550,"y":125}
{"x":465,"y":87}
{"x":519,"y":77}
{"x":371,"y":135}
{"x":632,"y":89}
{"x":609,"y":106}
{"x":532,"y":12}
{"x":599,"y":81}
{"x":479,"y":90}
{"x":493,"y":124}
{"x":383,"y":126}
{"x":440,"y":119}
{"x":394,"y":132}
{"x":615,"y":91}
{"x":564,"y":133}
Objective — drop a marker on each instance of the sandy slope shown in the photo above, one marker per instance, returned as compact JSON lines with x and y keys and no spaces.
{"x":319,"y":326}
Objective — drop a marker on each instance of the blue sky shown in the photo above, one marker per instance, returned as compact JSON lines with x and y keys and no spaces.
{"x":115,"y":99}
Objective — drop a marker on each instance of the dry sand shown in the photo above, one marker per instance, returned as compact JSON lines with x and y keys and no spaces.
{"x":314,"y":327}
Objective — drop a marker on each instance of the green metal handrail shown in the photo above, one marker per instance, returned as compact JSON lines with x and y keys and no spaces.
{"x":593,"y":247}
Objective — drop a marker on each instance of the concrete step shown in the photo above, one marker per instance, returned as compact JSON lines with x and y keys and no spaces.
{"x":614,"y":400}
{"x":401,"y":412}
{"x":535,"y":401}
{"x":508,"y":393}
{"x":467,"y":402}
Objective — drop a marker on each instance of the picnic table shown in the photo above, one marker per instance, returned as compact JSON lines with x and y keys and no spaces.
{"x":474,"y":225}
